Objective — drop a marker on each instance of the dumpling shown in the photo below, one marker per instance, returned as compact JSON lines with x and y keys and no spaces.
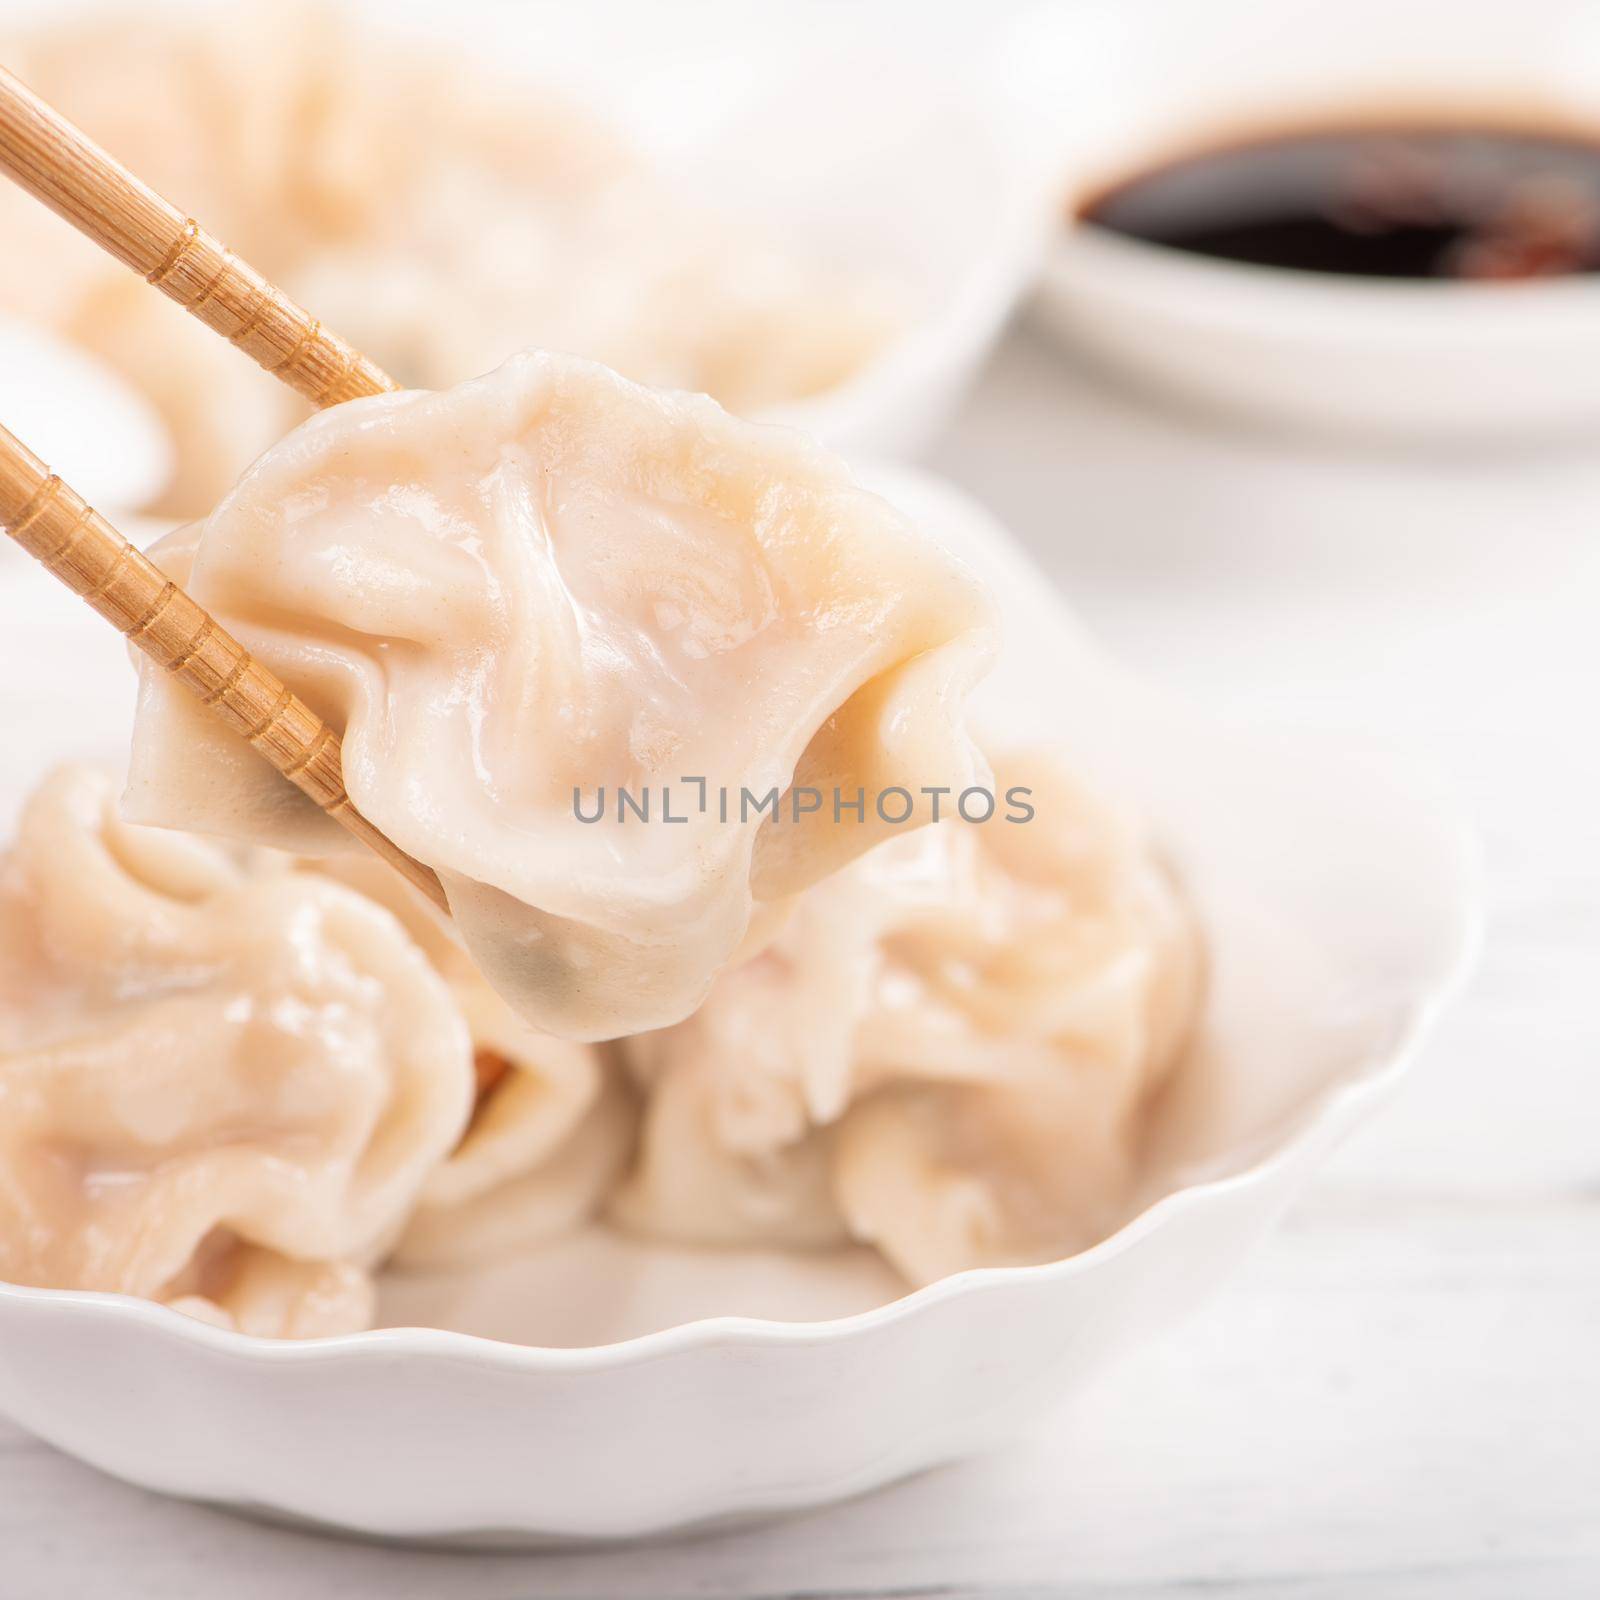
{"x":1018,"y":1039}
{"x":537,"y":1161}
{"x":222,"y":1088}
{"x":738,"y":1139}
{"x":225,"y":121}
{"x":218,"y":411}
{"x":302,"y":147}
{"x":436,"y":213}
{"x":726,"y":1154}
{"x":553,"y":1126}
{"x":944,"y":1054}
{"x":546,"y":602}
{"x":626,"y":270}
{"x":1018,"y":1032}
{"x":246,"y":1288}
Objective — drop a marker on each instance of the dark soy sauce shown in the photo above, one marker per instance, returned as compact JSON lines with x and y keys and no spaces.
{"x":1378,"y":202}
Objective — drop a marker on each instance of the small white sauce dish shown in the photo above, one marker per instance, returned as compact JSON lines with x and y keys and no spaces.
{"x":654,"y":1390}
{"x":1109,"y":88}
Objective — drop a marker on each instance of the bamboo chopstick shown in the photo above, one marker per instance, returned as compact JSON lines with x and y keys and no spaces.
{"x":59,"y":164}
{"x":83,"y":550}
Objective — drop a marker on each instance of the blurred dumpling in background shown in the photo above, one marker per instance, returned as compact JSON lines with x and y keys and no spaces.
{"x":223,"y":116}
{"x":629,"y":272}
{"x":437,"y":216}
{"x":217,"y":411}
{"x":524,"y":597}
{"x":224,"y":1086}
{"x":944,"y":1054}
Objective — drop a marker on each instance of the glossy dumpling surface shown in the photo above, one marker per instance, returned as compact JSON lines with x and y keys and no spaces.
{"x":522,"y":596}
{"x":553,"y":1123}
{"x":223,"y":1087}
{"x":944,"y":1054}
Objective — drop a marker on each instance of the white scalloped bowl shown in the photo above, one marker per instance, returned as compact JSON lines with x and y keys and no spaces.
{"x":1337,"y":891}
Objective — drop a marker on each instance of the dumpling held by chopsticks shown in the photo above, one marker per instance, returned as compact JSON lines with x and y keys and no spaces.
{"x":627,"y":673}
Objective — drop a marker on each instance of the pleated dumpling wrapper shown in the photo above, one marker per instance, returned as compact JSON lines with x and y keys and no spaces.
{"x":945,"y":1053}
{"x":554,"y":1122}
{"x":220,"y":1088}
{"x":545,"y":600}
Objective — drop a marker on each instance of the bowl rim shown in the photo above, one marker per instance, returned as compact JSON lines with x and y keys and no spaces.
{"x":1329,"y":1114}
{"x":1263,"y":302}
{"x":958,"y":328}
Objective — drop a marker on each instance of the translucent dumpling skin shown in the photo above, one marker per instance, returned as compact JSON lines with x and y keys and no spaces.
{"x":944,"y":1053}
{"x":222,"y":1086}
{"x":553,"y":1126}
{"x":527,"y":597}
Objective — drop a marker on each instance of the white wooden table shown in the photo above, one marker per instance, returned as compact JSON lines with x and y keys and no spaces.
{"x":1400,"y":1396}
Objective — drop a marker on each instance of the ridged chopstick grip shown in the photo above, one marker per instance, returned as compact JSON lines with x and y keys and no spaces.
{"x":59,"y":164}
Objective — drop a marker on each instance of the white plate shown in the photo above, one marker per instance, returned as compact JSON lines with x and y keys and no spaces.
{"x":1337,"y":890}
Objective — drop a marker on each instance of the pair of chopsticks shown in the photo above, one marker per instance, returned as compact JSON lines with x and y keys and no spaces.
{"x":58,"y":164}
